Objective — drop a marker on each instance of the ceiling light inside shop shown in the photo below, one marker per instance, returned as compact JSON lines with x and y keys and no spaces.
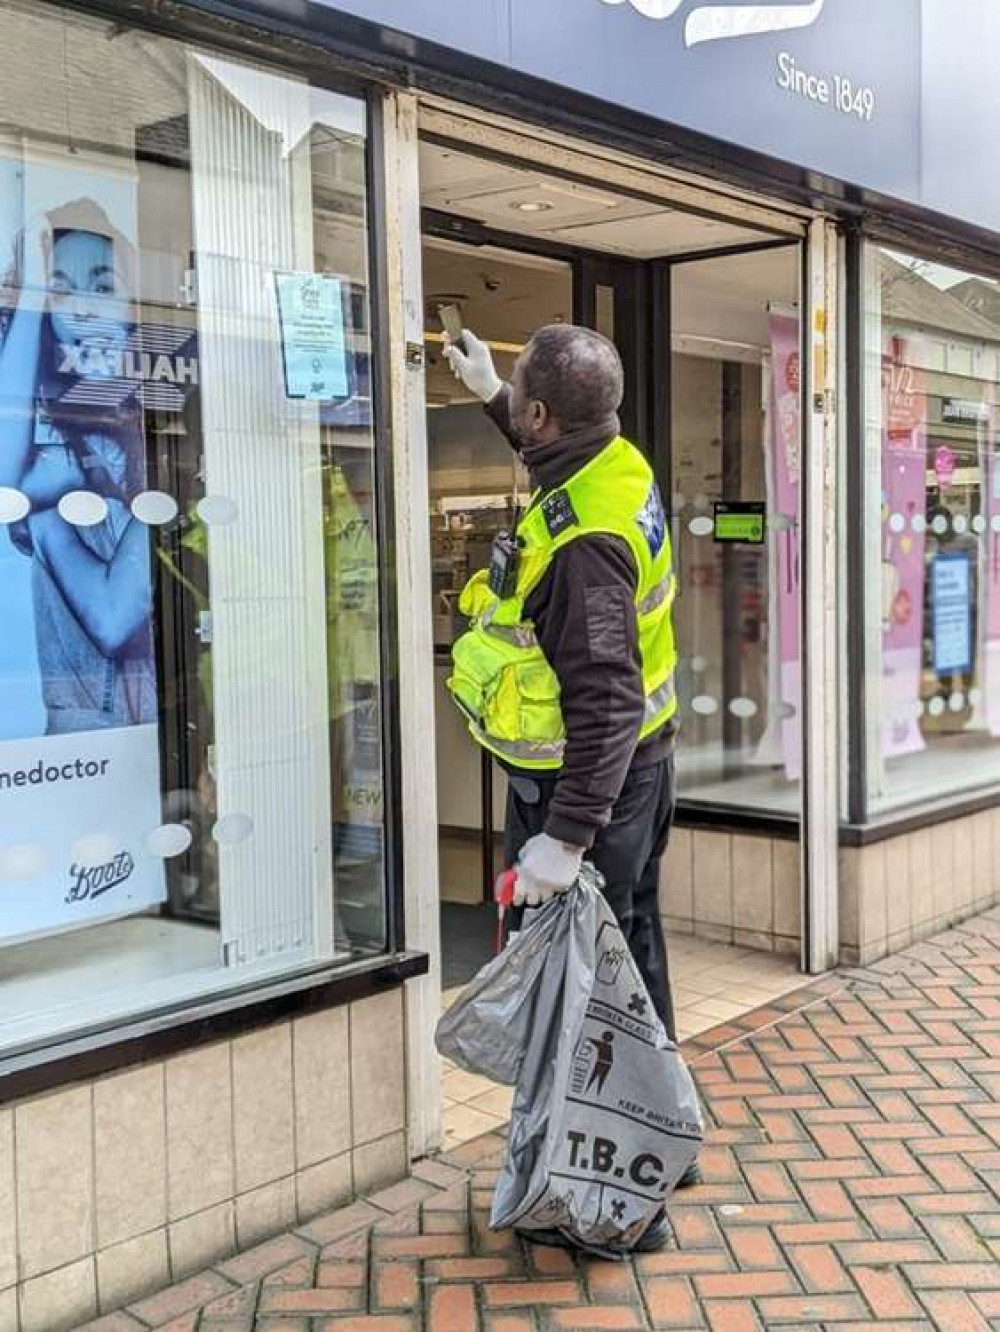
{"x":532,"y":206}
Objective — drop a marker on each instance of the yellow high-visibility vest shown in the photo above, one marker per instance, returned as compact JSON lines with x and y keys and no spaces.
{"x":501,"y":679}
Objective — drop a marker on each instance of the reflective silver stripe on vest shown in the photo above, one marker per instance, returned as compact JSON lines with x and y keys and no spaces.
{"x":551,"y":751}
{"x":662,"y":592}
{"x":659,"y":700}
{"x":518,"y":635}
{"x":525,"y":751}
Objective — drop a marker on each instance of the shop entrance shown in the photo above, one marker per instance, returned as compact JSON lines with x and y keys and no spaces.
{"x":706,"y":312}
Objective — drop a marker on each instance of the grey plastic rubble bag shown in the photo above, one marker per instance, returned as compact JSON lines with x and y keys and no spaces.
{"x":606,"y":1118}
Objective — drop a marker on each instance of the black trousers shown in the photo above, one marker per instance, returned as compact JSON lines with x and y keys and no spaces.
{"x":627,"y":853}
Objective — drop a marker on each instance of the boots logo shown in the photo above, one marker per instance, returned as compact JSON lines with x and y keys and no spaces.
{"x":713,"y":23}
{"x":90,"y":881}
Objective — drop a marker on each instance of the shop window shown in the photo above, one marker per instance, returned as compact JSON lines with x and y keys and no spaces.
{"x":191,"y":784}
{"x":932,"y":558}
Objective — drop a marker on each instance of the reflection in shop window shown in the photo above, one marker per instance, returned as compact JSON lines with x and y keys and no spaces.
{"x":190,"y":701}
{"x":933,"y":469}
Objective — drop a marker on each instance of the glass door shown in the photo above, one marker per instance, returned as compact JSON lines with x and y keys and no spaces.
{"x":735,"y":463}
{"x":735,"y":473}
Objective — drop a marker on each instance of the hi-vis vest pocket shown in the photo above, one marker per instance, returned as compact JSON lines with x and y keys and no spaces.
{"x":537,"y":692}
{"x":475,"y":670}
{"x":513,"y":696}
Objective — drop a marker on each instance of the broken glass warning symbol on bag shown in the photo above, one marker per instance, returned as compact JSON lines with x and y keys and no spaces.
{"x":612,"y":951}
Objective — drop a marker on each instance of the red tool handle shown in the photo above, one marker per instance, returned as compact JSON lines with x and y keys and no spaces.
{"x":503,"y":889}
{"x":503,"y":895}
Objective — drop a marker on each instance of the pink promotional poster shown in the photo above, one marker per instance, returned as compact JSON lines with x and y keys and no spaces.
{"x":785,"y":469}
{"x":904,"y":466}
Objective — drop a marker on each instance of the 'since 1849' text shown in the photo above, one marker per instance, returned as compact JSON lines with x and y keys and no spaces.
{"x":835,"y":91}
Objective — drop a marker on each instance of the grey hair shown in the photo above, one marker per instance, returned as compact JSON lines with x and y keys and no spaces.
{"x":576,"y":372}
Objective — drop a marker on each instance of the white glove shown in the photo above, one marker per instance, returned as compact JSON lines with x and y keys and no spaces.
{"x":474,"y":366}
{"x":544,"y":868}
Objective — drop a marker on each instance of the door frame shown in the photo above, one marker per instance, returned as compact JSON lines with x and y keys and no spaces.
{"x":822,"y":289}
{"x":643,"y":288}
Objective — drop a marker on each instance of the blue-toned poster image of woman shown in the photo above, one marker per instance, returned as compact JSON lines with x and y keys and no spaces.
{"x":69,"y":422}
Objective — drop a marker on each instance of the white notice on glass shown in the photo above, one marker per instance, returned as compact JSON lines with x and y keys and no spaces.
{"x":311,"y":310}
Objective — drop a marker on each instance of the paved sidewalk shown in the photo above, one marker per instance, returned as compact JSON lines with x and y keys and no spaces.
{"x":852,"y":1181}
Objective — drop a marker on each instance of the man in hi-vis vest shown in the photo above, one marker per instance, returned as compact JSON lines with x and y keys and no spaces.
{"x":567,"y":673}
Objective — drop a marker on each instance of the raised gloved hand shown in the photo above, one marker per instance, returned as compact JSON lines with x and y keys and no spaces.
{"x":474,"y":366}
{"x":544,"y":868}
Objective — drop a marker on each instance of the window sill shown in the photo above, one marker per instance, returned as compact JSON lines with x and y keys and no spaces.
{"x":881,"y":828}
{"x":912,"y":818}
{"x":718,"y":818}
{"x":42,"y":1068}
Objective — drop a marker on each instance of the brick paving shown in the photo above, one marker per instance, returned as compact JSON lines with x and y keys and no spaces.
{"x":852,"y":1180}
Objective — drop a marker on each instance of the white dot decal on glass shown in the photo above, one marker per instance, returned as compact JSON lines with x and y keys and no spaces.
{"x":897,"y":522}
{"x":940,"y":525}
{"x":700,"y":527}
{"x":699,"y":665}
{"x":956,"y":702}
{"x":704,"y":705}
{"x":919,"y":523}
{"x":14,"y":505}
{"x":936,"y":706}
{"x":914,"y":712}
{"x":743,"y":708}
{"x":217,"y":511}
{"x":979,"y":524}
{"x":21,"y":861}
{"x":975,"y":697}
{"x":82,"y":508}
{"x":97,"y":849}
{"x":154,"y":508}
{"x":232,"y":829}
{"x":960,"y":524}
{"x":168,"y":840}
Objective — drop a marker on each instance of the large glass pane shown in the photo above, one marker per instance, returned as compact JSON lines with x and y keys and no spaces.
{"x":932,"y":562}
{"x":736,"y":442}
{"x":190,"y":720}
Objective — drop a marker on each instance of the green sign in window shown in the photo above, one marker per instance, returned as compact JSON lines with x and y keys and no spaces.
{"x":741,"y":522}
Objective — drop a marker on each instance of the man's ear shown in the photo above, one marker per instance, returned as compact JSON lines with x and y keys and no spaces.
{"x":540,"y":415}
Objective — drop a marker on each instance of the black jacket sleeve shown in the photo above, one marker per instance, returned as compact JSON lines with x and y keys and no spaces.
{"x":498,"y":410}
{"x":585,"y":619}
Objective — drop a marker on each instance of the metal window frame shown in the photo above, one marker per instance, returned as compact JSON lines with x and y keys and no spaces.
{"x":818,"y":843}
{"x":854,"y":501}
{"x":385,"y":543}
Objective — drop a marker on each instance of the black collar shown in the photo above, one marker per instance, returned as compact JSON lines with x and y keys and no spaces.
{"x":552,"y":465}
